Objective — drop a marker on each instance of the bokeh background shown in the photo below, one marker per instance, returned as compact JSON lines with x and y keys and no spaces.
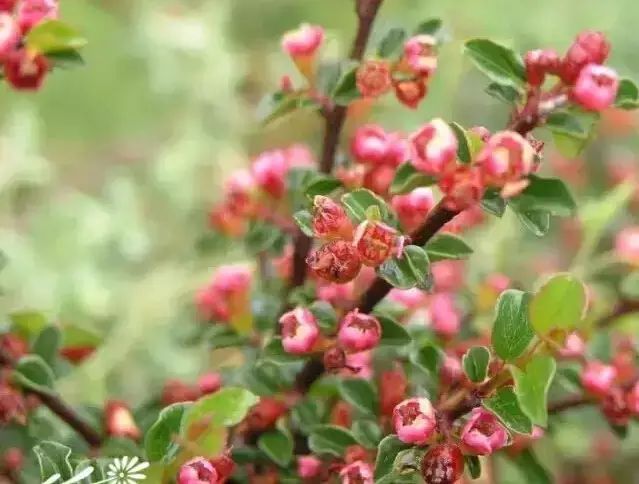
{"x":106,"y":175}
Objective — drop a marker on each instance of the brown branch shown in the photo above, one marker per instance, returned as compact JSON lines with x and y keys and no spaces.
{"x":60,"y":408}
{"x":622,"y":308}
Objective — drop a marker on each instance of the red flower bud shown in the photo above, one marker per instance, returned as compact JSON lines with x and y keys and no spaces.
{"x":334,"y":359}
{"x":451,"y":370}
{"x":379,"y":179}
{"x":176,"y":391}
{"x":414,"y":421}
{"x":443,"y":464}
{"x":308,"y":466}
{"x":506,"y":157}
{"x":25,"y":70}
{"x":337,"y":261}
{"x":330,"y":220}
{"x":359,"y":332}
{"x":462,"y":187}
{"x":197,"y":471}
{"x":77,"y":354}
{"x":370,"y":144}
{"x":118,"y":421}
{"x":588,"y":48}
{"x":357,"y":473}
{"x":420,"y":55}
{"x":7,"y":5}
{"x":224,"y":466}
{"x":445,"y":317}
{"x":413,"y":207}
{"x":615,"y":407}
{"x":209,"y":383}
{"x":264,"y":415}
{"x":375,"y":242}
{"x":410,"y":92}
{"x":32,"y":12}
{"x":341,"y":414}
{"x":434,"y":147}
{"x":596,"y":87}
{"x":483,"y":433}
{"x":598,"y":378}
{"x":393,"y":385}
{"x":539,"y":63}
{"x":299,"y":331}
{"x":303,"y":41}
{"x":373,"y":78}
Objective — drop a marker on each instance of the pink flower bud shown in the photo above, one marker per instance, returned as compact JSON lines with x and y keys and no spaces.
{"x":303,"y":41}
{"x":433,"y":147}
{"x":632,"y":399}
{"x":25,"y":70}
{"x":413,"y":207}
{"x":358,"y":365}
{"x":197,"y":471}
{"x":9,"y":35}
{"x":308,"y":466}
{"x":483,"y":433}
{"x":410,"y":92}
{"x":443,"y":464}
{"x":32,"y":12}
{"x":596,"y":87}
{"x":299,"y":331}
{"x":239,"y":190}
{"x":373,"y":78}
{"x":481,"y":131}
{"x":337,"y":261}
{"x":451,"y":370}
{"x":588,"y":48}
{"x":330,"y":220}
{"x":539,"y":63}
{"x":445,"y":319}
{"x":574,"y":346}
{"x":298,"y":155}
{"x":419,"y":52}
{"x":269,"y":170}
{"x":359,"y":332}
{"x":375,"y":242}
{"x":379,"y":178}
{"x":627,"y":245}
{"x":462,"y":187}
{"x":598,"y":378}
{"x":209,"y":383}
{"x":118,"y":421}
{"x":411,"y":298}
{"x":175,"y":391}
{"x":370,"y":144}
{"x":336,"y":294}
{"x":414,"y":421}
{"x":506,"y":157}
{"x":393,"y":385}
{"x":448,"y":275}
{"x":358,"y":472}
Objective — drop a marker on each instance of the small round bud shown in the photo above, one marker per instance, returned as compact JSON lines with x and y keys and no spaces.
{"x":627,"y":245}
{"x":13,"y":346}
{"x":574,"y":346}
{"x":393,"y":385}
{"x":539,"y":63}
{"x":375,"y":242}
{"x":420,"y":54}
{"x":588,"y":48}
{"x":596,"y":87}
{"x":451,"y":370}
{"x":370,"y":144}
{"x":358,"y":472}
{"x":118,"y":421}
{"x":239,"y":192}
{"x":413,"y":207}
{"x":462,"y":187}
{"x":410,"y":92}
{"x":337,"y":261}
{"x":359,"y":332}
{"x":373,"y":78}
{"x":265,"y":413}
{"x":445,"y":318}
{"x":176,"y":391}
{"x":598,"y":378}
{"x":13,"y":406}
{"x":443,"y":464}
{"x":223,"y":465}
{"x":334,"y":359}
{"x":25,"y":70}
{"x":308,"y":466}
{"x":209,"y":383}
{"x":483,"y":433}
{"x":7,"y":5}
{"x":379,"y":179}
{"x":414,"y":421}
{"x":299,"y":331}
{"x":197,"y":471}
{"x":330,"y":220}
{"x":269,"y":170}
{"x":303,"y":41}
{"x":433,"y":147}
{"x":506,"y":157}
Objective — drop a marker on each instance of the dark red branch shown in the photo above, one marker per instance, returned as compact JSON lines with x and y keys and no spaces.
{"x":61,"y":409}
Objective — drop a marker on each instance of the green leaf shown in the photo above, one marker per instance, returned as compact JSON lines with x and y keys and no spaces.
{"x":627,"y":95}
{"x":73,"y":335}
{"x":47,"y":344}
{"x":32,"y":372}
{"x":537,"y":222}
{"x":263,"y":236}
{"x":431,"y":26}
{"x":392,"y":43}
{"x":473,"y":466}
{"x":53,"y":458}
{"x":279,"y":104}
{"x":346,"y":91}
{"x":274,"y":352}
{"x":360,"y":394}
{"x":475,"y":363}
{"x":326,"y":316}
{"x":447,"y":246}
{"x":630,"y":285}
{"x":493,"y":203}
{"x":27,"y":323}
{"x":407,"y":178}
{"x":410,"y":270}
{"x":54,"y":36}
{"x":357,"y":203}
{"x":501,"y":64}
{"x":322,"y":185}
{"x":387,"y":451}
{"x":327,"y":76}
{"x":306,"y":415}
{"x":559,"y":304}
{"x":428,"y":358}
{"x":223,"y":336}
{"x":463,"y":144}
{"x":532,"y":385}
{"x":304,"y":220}
{"x":533,"y":471}
{"x":545,"y":194}
{"x":278,"y":446}
{"x":65,"y":59}
{"x":502,"y":92}
{"x":159,"y":438}
{"x":330,"y":439}
{"x":505,"y":406}
{"x":512,"y":331}
{"x":568,"y":146}
{"x":577,"y":124}
{"x":393,"y":334}
{"x":367,"y":433}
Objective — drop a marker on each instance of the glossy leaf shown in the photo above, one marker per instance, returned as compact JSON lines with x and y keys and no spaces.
{"x":463,"y":144}
{"x":473,"y":466}
{"x":47,"y":344}
{"x":447,"y":246}
{"x":387,"y":451}
{"x":357,"y":203}
{"x":367,"y":432}
{"x":512,"y":331}
{"x":54,"y":36}
{"x":532,"y":385}
{"x":274,"y":352}
{"x":410,"y":270}
{"x":360,"y":394}
{"x":392,"y":43}
{"x":263,"y":236}
{"x":501,"y":64}
{"x":325,"y":315}
{"x":393,"y":333}
{"x":346,"y":91}
{"x":627,"y":95}
{"x":27,"y":323}
{"x":307,"y":414}
{"x":279,"y":104}
{"x":505,"y":405}
{"x":53,"y":458}
{"x":304,"y":220}
{"x":502,"y":92}
{"x":159,"y":438}
{"x":535,"y":221}
{"x":330,"y":439}
{"x":545,"y":194}
{"x":560,"y":303}
{"x":321,"y":185}
{"x":277,"y":445}
{"x":32,"y":372}
{"x":428,"y":358}
{"x":407,"y":178}
{"x":493,"y":203}
{"x":429,"y":27}
{"x":475,"y":363}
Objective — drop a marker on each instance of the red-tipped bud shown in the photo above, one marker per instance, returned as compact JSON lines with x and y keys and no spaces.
{"x":433,"y":147}
{"x":414,"y":421}
{"x":373,"y":78}
{"x":209,"y":383}
{"x":420,"y":54}
{"x":462,"y":187}
{"x":393,"y":385}
{"x":359,"y":331}
{"x":506,"y":157}
{"x":334,"y":359}
{"x":588,"y":48}
{"x":483,"y":433}
{"x":596,"y":87}
{"x":410,"y":92}
{"x":413,"y":207}
{"x":299,"y":331}
{"x":358,"y":472}
{"x":337,"y":261}
{"x":375,"y":242}
{"x":303,"y":41}
{"x":330,"y":220}
{"x":197,"y":471}
{"x":264,"y":415}
{"x":379,"y":179}
{"x":539,"y":63}
{"x":118,"y":421}
{"x":615,"y":407}
{"x":25,"y":70}
{"x":443,"y":464}
{"x":308,"y":466}
{"x":598,"y":378}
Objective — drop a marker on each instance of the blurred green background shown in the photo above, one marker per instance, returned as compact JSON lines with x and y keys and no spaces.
{"x":106,"y":175}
